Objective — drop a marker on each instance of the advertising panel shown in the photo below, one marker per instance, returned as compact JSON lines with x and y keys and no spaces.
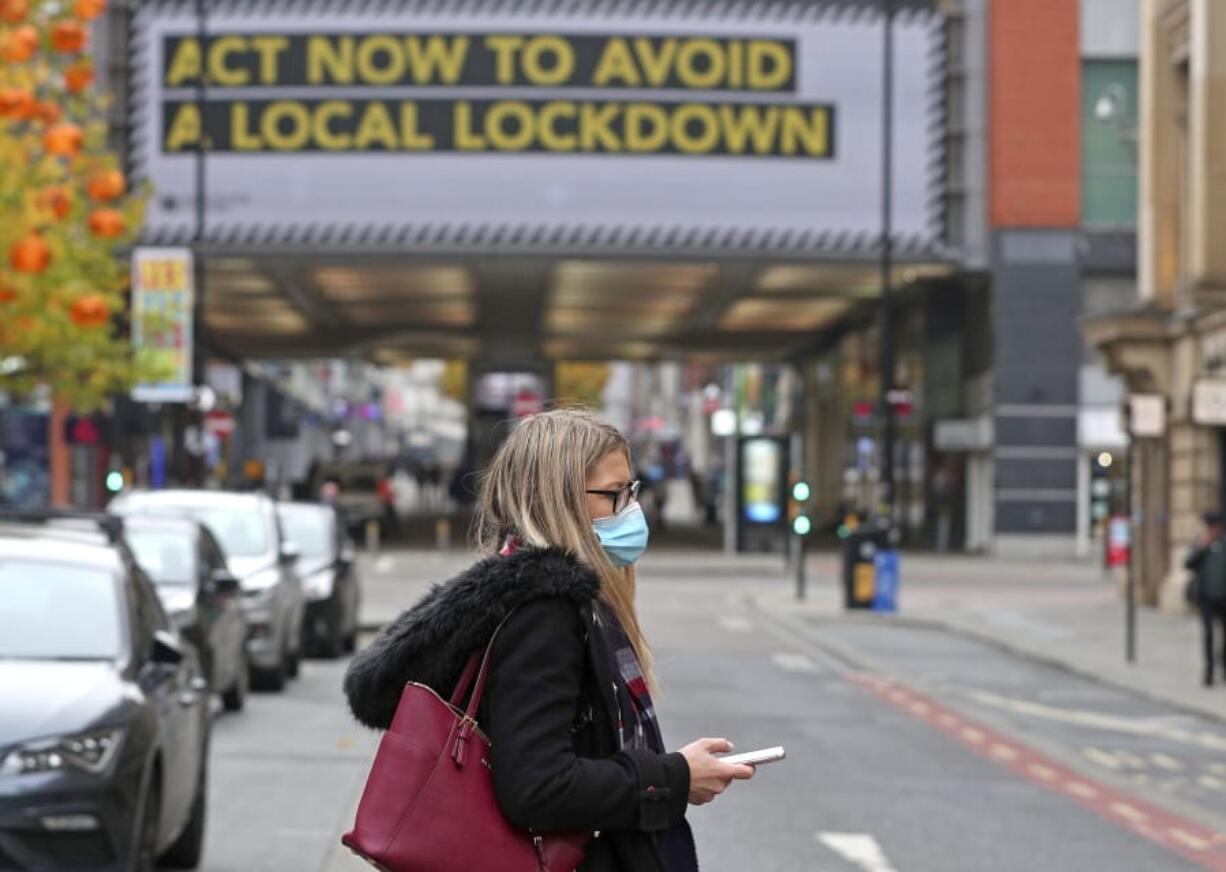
{"x":520,"y":125}
{"x":762,"y":483}
{"x":162,"y":300}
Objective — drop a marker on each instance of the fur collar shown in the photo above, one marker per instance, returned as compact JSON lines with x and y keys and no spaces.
{"x":430,"y":642}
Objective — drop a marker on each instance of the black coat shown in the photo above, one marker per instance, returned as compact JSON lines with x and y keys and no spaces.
{"x":550,"y":709}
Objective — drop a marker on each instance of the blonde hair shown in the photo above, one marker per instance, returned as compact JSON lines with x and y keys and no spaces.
{"x":534,"y":489}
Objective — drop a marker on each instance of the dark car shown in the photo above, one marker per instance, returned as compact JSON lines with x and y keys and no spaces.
{"x":363,"y":492}
{"x":201,"y":594}
{"x":246,"y":526}
{"x":329,"y":576}
{"x":104,"y":715}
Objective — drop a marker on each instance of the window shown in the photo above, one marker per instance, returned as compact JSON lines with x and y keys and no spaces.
{"x":56,"y":611}
{"x":166,"y":554}
{"x":1108,"y":143}
{"x":312,"y":529}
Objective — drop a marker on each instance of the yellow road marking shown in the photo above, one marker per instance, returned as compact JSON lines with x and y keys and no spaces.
{"x":1194,"y":842}
{"x":1040,"y":771}
{"x":1131,"y":812}
{"x":1080,"y":788}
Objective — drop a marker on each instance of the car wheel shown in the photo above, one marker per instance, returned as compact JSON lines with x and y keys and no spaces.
{"x":273,"y":678}
{"x":293,"y":661}
{"x":145,"y":846}
{"x":236,"y":695}
{"x":331,"y":643}
{"x":351,"y":637}
{"x":187,"y":850}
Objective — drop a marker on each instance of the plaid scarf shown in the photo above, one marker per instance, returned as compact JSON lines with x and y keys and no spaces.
{"x":638,"y":727}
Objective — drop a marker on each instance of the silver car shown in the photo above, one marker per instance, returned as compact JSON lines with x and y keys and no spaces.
{"x":259,"y":555}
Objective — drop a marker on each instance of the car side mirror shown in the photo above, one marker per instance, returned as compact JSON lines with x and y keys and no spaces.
{"x":167,"y":650}
{"x":347,"y":555}
{"x":223,"y":583}
{"x":290,"y":553}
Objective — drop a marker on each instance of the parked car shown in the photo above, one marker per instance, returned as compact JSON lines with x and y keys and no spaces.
{"x":200,"y":593}
{"x":246,"y":526}
{"x":363,"y":492}
{"x":329,"y":575}
{"x":104,"y":715}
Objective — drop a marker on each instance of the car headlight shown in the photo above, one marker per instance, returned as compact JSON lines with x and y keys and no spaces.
{"x":91,"y":752}
{"x":319,"y":585}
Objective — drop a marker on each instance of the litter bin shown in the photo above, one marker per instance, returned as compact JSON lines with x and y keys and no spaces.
{"x":870,"y":568}
{"x":885,"y":588}
{"x":860,"y":550}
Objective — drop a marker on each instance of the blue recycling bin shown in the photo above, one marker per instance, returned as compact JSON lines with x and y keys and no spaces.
{"x":885,"y":590}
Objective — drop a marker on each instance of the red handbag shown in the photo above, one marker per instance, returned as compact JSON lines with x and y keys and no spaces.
{"x":429,"y":803}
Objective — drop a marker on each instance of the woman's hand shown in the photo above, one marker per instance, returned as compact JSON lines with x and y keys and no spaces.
{"x":710,"y":776}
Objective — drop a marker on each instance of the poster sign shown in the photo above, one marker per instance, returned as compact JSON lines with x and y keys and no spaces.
{"x":754,"y":126}
{"x":1147,"y":415}
{"x":162,"y":299}
{"x":1209,"y":402}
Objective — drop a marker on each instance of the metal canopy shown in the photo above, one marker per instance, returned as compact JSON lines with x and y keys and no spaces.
{"x":517,"y":308}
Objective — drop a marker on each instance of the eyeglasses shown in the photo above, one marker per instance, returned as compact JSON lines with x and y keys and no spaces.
{"x":621,"y":497}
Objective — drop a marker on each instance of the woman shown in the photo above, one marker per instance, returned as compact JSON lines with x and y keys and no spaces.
{"x":568,"y":709}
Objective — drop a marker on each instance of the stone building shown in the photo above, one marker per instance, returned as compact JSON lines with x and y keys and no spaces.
{"x":1172,"y":342}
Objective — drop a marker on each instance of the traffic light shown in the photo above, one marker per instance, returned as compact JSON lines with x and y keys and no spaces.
{"x":802,"y":525}
{"x":114,"y":481}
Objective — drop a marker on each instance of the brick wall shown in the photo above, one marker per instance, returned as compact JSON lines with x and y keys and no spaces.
{"x":1034,"y":115}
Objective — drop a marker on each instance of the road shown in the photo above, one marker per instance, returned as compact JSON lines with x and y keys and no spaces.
{"x":909,"y":750}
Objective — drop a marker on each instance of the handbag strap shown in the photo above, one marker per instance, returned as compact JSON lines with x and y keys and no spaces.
{"x":483,"y":673}
{"x":469,"y":721}
{"x":466,"y":679}
{"x":479,"y":658}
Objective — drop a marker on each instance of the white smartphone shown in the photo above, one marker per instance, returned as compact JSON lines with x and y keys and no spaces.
{"x":756,"y":758}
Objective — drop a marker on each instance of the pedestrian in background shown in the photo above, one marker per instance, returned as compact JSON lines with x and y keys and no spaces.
{"x":1207,"y":589}
{"x":576,"y":745}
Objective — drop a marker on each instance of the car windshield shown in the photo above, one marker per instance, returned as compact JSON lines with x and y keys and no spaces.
{"x":240,"y":528}
{"x":311,"y":529}
{"x":55,"y":611}
{"x":166,"y":555}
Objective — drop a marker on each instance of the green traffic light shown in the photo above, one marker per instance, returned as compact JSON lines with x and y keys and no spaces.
{"x":802,"y":525}
{"x":801,"y":491}
{"x":114,"y":481}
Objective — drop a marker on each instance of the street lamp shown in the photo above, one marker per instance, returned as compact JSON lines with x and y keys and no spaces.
{"x":885,"y":355}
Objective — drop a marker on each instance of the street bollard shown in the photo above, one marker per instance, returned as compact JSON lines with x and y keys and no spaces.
{"x":442,"y":534}
{"x":372,"y":536}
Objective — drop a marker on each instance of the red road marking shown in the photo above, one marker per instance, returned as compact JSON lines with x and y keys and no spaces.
{"x":1189,"y":839}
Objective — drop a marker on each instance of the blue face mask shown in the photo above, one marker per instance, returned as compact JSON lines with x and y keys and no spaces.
{"x":624,"y":535}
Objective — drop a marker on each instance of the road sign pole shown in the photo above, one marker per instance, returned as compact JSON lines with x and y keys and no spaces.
{"x":800,"y":525}
{"x":801,"y":581}
{"x":1130,"y":607}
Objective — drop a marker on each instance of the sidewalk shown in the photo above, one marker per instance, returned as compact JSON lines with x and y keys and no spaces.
{"x":1063,"y":613}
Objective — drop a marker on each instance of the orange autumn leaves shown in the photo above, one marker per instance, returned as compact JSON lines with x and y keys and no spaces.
{"x":66,"y":211}
{"x":61,"y":138}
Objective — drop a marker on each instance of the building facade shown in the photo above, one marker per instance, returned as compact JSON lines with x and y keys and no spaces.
{"x":1169,"y":343}
{"x":1010,"y":438}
